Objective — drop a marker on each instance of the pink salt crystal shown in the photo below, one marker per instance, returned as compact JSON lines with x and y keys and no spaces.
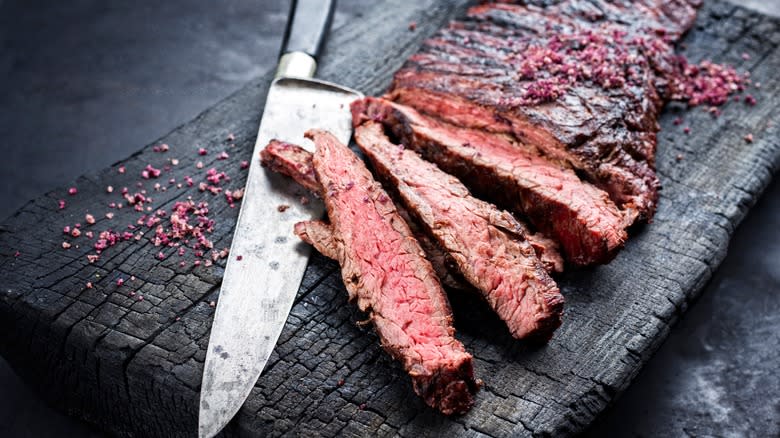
{"x":231,"y":137}
{"x":150,"y":172}
{"x":745,"y":56}
{"x":121,"y":169}
{"x":750,"y":100}
{"x":160,"y":255}
{"x":75,"y":232}
{"x":132,"y":293}
{"x":65,"y":245}
{"x":245,"y":164}
{"x":120,"y":281}
{"x":212,"y":304}
{"x":199,"y":165}
{"x":92,"y":258}
{"x":182,"y":263}
{"x":140,"y":297}
{"x":239,"y":257}
{"x":72,"y":191}
{"x":164,"y":147}
{"x":66,"y":229}
{"x":17,"y":254}
{"x":196,"y":263}
{"x":687,"y":130}
{"x":61,"y":204}
{"x":749,"y":138}
{"x":677,"y":121}
{"x":89,"y":219}
{"x":174,"y":162}
{"x":110,"y":189}
{"x":132,"y":278}
{"x":89,"y":285}
{"x":202,"y":151}
{"x":178,"y":318}
{"x":223,"y":156}
{"x":109,"y":215}
{"x":89,"y":234}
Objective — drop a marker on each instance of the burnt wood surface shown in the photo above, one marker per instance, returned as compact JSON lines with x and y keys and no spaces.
{"x":132,"y":368}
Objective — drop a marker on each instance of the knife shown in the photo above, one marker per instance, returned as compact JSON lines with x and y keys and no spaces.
{"x":266,"y":263}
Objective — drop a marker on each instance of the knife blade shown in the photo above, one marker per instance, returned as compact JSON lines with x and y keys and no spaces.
{"x":259,"y":287}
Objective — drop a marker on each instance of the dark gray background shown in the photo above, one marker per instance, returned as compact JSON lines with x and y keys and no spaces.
{"x":89,"y":82}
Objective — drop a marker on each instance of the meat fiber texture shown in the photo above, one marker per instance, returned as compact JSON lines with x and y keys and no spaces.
{"x":580,"y":81}
{"x":386,"y":273}
{"x":582,"y":218}
{"x":488,"y":245}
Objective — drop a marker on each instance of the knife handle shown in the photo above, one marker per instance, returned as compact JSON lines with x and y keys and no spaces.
{"x":307,"y":27}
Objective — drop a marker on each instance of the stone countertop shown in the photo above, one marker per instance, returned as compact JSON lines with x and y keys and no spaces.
{"x":110,"y":77}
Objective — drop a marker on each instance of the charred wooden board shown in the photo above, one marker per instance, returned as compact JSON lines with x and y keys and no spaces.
{"x":133,"y":368}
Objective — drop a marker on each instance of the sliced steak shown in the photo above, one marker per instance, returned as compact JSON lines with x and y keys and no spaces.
{"x":385,"y":272}
{"x":296,"y":162}
{"x":581,"y":217}
{"x":487,"y":244}
{"x":581,"y":81}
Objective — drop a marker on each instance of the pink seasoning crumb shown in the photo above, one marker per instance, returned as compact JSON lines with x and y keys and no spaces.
{"x":109,"y":215}
{"x":746,"y":56}
{"x":212,"y":304}
{"x":750,"y":100}
{"x":89,"y":234}
{"x":174,"y":162}
{"x":132,"y":293}
{"x":61,"y":204}
{"x":199,"y":165}
{"x":89,"y":219}
{"x":72,"y":191}
{"x":231,"y":137}
{"x":75,"y":232}
{"x":140,"y":297}
{"x":160,"y":255}
{"x":65,"y":245}
{"x":132,"y":278}
{"x":677,"y":121}
{"x":282,"y":208}
{"x":239,"y":257}
{"x":202,"y":151}
{"x":66,"y":229}
{"x":178,"y":318}
{"x":121,"y":169}
{"x":196,"y":263}
{"x":245,"y":164}
{"x":223,"y":156}
{"x":687,"y":130}
{"x":120,"y":281}
{"x":17,"y":254}
{"x":110,"y":189}
{"x":182,"y":264}
{"x":413,"y":26}
{"x":161,"y":148}
{"x":749,"y":138}
{"x":92,"y":258}
{"x":150,"y":172}
{"x":89,"y":285}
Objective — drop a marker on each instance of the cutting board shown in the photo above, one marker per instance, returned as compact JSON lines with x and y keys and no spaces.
{"x":133,"y":367}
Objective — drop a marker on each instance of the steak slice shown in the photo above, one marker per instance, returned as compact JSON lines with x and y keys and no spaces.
{"x":589,"y":226}
{"x":487,"y":244}
{"x":296,"y":162}
{"x":581,"y":81}
{"x":385,"y":272}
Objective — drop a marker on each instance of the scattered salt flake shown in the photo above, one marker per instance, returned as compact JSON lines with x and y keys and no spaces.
{"x":65,"y":245}
{"x":120,"y":281}
{"x":75,"y":232}
{"x":174,"y":162}
{"x":281,"y":208}
{"x":140,"y":297}
{"x":72,"y":191}
{"x":413,"y":26}
{"x":679,"y":157}
{"x":223,"y":156}
{"x":245,"y":164}
{"x":89,"y":234}
{"x":89,"y":285}
{"x":745,"y":56}
{"x":340,"y":382}
{"x":677,"y":121}
{"x":92,"y":258}
{"x":150,"y":172}
{"x":749,"y":138}
{"x":121,"y":169}
{"x":132,"y":278}
{"x":202,"y":151}
{"x":160,"y":255}
{"x":750,"y":100}
{"x":110,"y":189}
{"x":178,"y":318}
{"x":239,"y":257}
{"x":182,"y":264}
{"x":196,"y":263}
{"x":89,"y":219}
{"x":231,"y":137}
{"x":212,"y":304}
{"x":66,"y":229}
{"x":17,"y":254}
{"x":109,"y":215}
{"x":199,"y":165}
{"x":61,"y":204}
{"x":687,"y":130}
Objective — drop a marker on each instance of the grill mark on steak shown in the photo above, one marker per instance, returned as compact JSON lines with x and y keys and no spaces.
{"x":499,"y":263}
{"x":385,"y":272}
{"x":469,"y":74}
{"x":579,"y":216}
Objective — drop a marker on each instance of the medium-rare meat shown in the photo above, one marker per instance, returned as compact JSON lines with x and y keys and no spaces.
{"x":487,"y":244}
{"x":385,"y":272}
{"x":296,"y":162}
{"x":581,"y":217}
{"x":580,"y":81}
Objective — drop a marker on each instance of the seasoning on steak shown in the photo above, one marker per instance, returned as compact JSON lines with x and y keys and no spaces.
{"x":581,"y":81}
{"x":579,"y":216}
{"x":385,"y":272}
{"x":487,"y":244}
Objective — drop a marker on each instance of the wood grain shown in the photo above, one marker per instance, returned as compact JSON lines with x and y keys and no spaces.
{"x":130,"y":367}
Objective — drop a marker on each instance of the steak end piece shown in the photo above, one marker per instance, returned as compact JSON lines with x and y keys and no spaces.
{"x":488,"y":245}
{"x":385,"y":273}
{"x":587,"y":224}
